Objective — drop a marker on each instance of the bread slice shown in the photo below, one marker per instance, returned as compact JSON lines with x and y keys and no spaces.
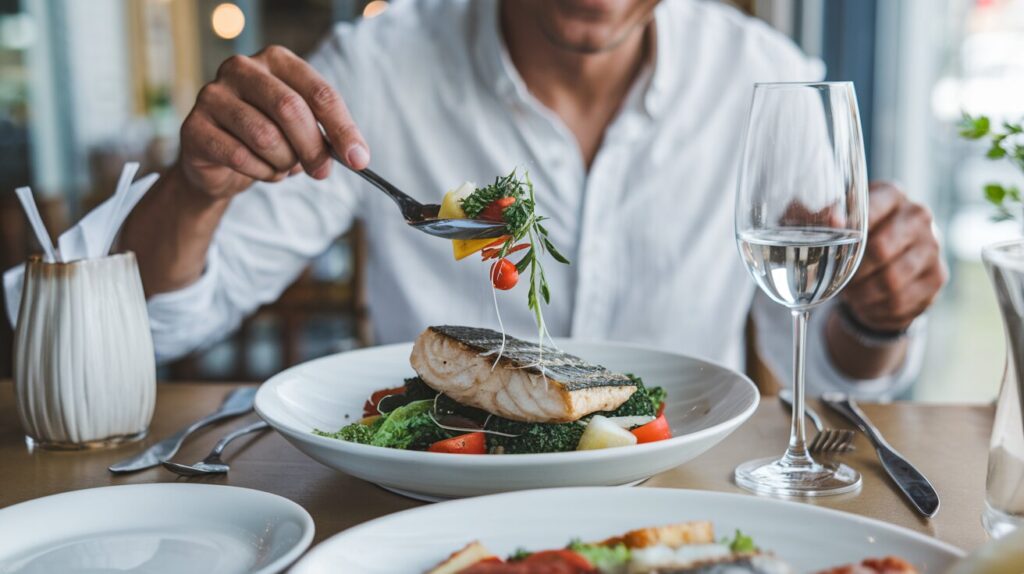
{"x":673,"y":535}
{"x":469,"y":555}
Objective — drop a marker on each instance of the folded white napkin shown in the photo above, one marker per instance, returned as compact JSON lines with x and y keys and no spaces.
{"x":83,"y":241}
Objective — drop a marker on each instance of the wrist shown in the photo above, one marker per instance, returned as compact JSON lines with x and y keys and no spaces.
{"x":858,"y":357}
{"x":187,"y":195}
{"x":865,"y":335}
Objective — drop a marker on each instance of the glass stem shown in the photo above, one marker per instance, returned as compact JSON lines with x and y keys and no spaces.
{"x":797,"y":453}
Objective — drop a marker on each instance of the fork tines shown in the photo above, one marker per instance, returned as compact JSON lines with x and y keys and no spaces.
{"x":832,"y":440}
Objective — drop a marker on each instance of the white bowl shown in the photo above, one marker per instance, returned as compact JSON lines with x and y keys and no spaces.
{"x":153,"y":529}
{"x":706,"y":402}
{"x":810,"y":538}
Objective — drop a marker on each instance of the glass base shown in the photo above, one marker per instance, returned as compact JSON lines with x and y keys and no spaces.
{"x":800,"y":478}
{"x":113,"y":441}
{"x":998,"y":523}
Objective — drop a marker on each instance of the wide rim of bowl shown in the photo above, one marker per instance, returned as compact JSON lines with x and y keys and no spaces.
{"x":601,"y":491}
{"x":294,"y":509}
{"x":460,"y":461}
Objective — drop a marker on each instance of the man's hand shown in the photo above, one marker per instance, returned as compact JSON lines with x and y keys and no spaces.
{"x":901,"y":274}
{"x":258,"y":121}
{"x":902,"y":270}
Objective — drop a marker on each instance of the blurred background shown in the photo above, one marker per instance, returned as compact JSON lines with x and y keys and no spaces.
{"x":86,"y":85}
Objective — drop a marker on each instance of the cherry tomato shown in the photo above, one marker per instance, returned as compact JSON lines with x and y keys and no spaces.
{"x":661,"y":409}
{"x":370,"y":406}
{"x":496,"y":210}
{"x":653,"y":431}
{"x":471,"y":443}
{"x":504,"y":274}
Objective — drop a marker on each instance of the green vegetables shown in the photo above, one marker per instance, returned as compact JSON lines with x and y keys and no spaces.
{"x":407,"y":427}
{"x":532,"y":438}
{"x":643,"y":402}
{"x":1004,"y":144}
{"x":741,"y":543}
{"x":355,"y":432}
{"x":524,"y":225}
{"x":603,"y":558}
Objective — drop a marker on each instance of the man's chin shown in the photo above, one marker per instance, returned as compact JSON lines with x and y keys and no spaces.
{"x":590,"y":42}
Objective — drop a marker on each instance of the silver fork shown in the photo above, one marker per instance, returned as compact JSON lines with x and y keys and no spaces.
{"x":828,"y":439}
{"x":213,"y":464}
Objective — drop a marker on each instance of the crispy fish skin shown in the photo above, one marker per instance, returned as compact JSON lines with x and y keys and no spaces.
{"x":458,"y":361}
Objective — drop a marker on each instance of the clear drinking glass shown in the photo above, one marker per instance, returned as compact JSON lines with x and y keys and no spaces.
{"x":1004,"y":489}
{"x":801,"y":226}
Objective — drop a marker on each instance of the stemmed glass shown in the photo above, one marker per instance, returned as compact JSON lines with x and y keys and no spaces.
{"x":801,"y":227}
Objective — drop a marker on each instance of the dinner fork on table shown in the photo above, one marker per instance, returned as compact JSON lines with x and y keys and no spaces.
{"x":828,"y":440}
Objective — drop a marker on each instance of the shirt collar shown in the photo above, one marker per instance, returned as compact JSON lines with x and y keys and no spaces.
{"x":499,"y":73}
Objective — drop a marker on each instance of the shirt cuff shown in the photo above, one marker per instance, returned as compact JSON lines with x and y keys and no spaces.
{"x":173,"y":337}
{"x":884,"y":388}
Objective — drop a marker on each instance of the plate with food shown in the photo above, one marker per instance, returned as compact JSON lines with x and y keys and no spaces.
{"x":627,"y":531}
{"x":467,"y":411}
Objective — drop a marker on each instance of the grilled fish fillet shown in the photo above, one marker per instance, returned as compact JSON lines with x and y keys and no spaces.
{"x":457,"y":361}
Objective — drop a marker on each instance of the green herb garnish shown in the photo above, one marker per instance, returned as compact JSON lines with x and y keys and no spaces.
{"x":519,"y":554}
{"x":603,"y":558}
{"x":741,"y":543}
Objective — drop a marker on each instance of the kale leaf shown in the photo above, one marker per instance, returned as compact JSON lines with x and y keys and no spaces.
{"x":356,"y":432}
{"x":409,"y":427}
{"x":533,"y":437}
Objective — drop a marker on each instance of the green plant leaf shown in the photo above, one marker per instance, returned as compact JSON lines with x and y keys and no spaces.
{"x":974,"y":128}
{"x":996,"y":151}
{"x":995,"y":193}
{"x":554,"y":252}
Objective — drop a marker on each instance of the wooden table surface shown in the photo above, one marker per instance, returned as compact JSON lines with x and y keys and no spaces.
{"x":947,"y":443}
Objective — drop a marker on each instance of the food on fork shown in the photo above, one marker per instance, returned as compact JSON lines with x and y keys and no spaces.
{"x":510,"y":200}
{"x":478,"y":392}
{"x":684,"y":548}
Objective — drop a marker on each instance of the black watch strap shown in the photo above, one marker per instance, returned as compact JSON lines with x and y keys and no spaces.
{"x":862,"y":333}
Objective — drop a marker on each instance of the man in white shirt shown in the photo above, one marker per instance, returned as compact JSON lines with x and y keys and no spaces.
{"x":628,"y":115}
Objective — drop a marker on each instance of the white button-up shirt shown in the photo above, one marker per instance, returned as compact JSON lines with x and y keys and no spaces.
{"x":649,"y":227}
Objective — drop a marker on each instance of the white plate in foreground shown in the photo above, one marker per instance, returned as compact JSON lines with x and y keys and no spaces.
{"x":154,"y":528}
{"x":808,"y":537}
{"x":706,"y":402}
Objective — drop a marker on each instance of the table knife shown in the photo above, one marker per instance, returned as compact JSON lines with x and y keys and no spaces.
{"x":238,"y":402}
{"x":910,"y":481}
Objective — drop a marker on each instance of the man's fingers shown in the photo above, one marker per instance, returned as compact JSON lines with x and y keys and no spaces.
{"x":892,"y":237}
{"x":221,"y":148}
{"x":248,"y":124}
{"x":896,"y":276}
{"x":883,"y":201}
{"x":897,"y":314}
{"x":327,"y":105}
{"x":254,"y":83}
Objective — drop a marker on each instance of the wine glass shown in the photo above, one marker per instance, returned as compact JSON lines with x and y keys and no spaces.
{"x":801,"y":227}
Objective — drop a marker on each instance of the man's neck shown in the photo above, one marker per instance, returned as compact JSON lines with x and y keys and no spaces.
{"x":554,"y":73}
{"x":585,"y":89}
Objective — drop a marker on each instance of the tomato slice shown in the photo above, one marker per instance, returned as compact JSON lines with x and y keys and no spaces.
{"x":653,"y":431}
{"x":661,"y":409}
{"x":470,"y":443}
{"x":565,"y":557}
{"x":370,"y":406}
{"x":496,"y":210}
{"x":492,"y":252}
